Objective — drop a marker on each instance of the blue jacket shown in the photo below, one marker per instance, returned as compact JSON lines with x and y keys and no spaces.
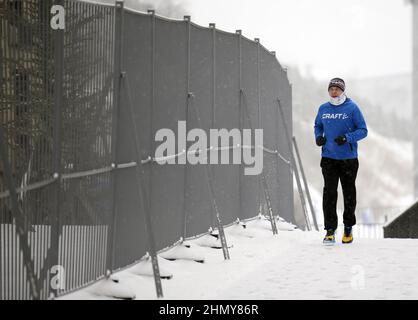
{"x":333,"y":121}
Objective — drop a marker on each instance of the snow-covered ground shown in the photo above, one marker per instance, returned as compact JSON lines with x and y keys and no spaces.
{"x":290,"y":265}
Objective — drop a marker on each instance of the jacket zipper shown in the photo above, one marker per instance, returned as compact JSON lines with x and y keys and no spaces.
{"x":351,"y":147}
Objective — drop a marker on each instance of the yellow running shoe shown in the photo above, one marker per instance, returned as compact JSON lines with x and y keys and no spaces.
{"x":348,"y":235}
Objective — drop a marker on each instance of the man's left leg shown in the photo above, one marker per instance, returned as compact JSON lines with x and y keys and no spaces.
{"x":348,"y":174}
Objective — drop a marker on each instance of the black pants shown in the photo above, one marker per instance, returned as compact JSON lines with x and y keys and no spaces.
{"x":334,"y":170}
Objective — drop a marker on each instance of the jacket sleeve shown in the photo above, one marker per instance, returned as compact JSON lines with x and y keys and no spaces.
{"x":360,"y":126}
{"x":319,"y":128}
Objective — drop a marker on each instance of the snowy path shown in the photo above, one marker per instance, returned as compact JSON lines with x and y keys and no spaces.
{"x":291,"y":265}
{"x":366,"y":269}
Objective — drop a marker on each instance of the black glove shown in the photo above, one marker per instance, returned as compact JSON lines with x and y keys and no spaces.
{"x":320,"y":141}
{"x":340,"y":140}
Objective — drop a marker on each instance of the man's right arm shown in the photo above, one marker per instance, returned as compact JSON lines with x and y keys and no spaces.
{"x":319,"y":128}
{"x":320,"y":140}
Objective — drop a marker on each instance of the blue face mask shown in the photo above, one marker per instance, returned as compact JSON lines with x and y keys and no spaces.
{"x":338,"y":100}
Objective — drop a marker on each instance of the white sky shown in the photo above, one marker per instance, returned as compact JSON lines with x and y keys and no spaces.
{"x":344,"y":38}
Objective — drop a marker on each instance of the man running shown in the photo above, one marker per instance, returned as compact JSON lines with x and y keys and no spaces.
{"x":339,"y":124}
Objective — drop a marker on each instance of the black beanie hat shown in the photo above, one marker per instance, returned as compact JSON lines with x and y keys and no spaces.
{"x":337,"y":82}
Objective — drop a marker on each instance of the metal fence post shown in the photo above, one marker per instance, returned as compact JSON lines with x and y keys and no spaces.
{"x":213,"y":104}
{"x":151,"y":14}
{"x":257,"y":40}
{"x":305,"y":184}
{"x":276,"y":116}
{"x":294,"y":167}
{"x":57,"y":137}
{"x":186,"y":165}
{"x":213,"y":27}
{"x":241,"y":167}
{"x":292,"y":205}
{"x":117,"y":69}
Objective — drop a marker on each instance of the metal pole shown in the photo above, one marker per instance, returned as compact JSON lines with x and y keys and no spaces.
{"x":151,"y":14}
{"x":117,"y":66}
{"x":186,"y":165}
{"x":276,"y":117}
{"x":58,"y":105}
{"x":308,"y":194}
{"x":257,"y":40}
{"x":213,"y":120}
{"x":213,"y":27}
{"x":293,"y":165}
{"x":146,"y":202}
{"x":241,"y":167}
{"x":415,"y":93}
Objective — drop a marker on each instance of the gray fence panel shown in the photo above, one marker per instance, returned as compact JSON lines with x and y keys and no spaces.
{"x":131,"y":240}
{"x":226,"y":116}
{"x":269,"y":116}
{"x":198,"y":204}
{"x":24,"y":105}
{"x":285,"y":176}
{"x":170,"y":107}
{"x":250,"y":184}
{"x":137,"y":63}
{"x":84,"y":204}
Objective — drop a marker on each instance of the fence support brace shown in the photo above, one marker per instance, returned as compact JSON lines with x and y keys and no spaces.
{"x":262,"y":180}
{"x":308,"y":194}
{"x":22,"y":229}
{"x":143,"y":198}
{"x":294,"y":167}
{"x":209,"y":181}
